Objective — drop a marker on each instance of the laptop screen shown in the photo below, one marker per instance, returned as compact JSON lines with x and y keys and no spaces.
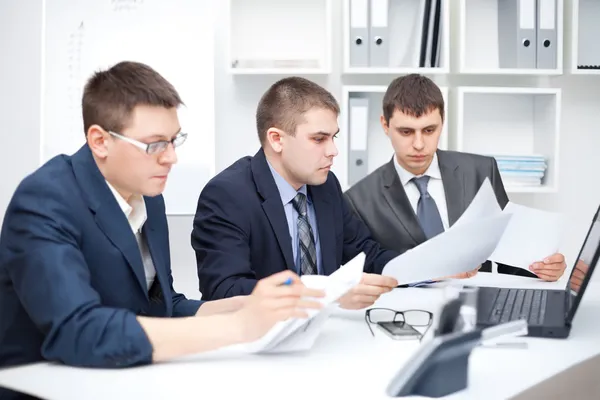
{"x":584,"y":265}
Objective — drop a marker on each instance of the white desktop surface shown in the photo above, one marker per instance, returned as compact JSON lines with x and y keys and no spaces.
{"x":345,"y":362}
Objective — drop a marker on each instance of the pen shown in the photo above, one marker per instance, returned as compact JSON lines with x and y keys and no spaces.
{"x":287,"y":282}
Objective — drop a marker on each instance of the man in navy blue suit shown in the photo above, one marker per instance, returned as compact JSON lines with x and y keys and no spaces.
{"x":283,"y":209}
{"x":85,"y":272}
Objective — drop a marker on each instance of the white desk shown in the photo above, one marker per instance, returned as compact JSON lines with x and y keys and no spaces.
{"x":346,"y":362}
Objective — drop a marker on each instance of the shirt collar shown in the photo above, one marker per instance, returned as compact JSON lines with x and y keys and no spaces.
{"x":135,"y":211}
{"x":405,"y":176}
{"x":286,"y":191}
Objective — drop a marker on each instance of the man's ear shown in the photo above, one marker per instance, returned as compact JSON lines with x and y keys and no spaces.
{"x":275,"y":139}
{"x":97,"y":141}
{"x":384,"y":125}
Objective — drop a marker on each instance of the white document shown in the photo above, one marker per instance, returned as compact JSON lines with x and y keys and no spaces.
{"x":484,"y":204}
{"x":300,"y":334}
{"x":459,"y":249}
{"x":530,"y":236}
{"x":516,"y":236}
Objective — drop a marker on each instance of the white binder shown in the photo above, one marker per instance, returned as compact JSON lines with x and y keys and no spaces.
{"x":359,"y":33}
{"x":379,"y":47}
{"x":546,"y":34}
{"x":517,"y":39}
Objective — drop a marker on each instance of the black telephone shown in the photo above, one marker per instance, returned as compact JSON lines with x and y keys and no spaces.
{"x":449,"y":320}
{"x":440,"y":367}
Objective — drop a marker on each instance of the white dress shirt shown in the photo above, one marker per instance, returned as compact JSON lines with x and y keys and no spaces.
{"x":135,"y":211}
{"x":435,"y":187}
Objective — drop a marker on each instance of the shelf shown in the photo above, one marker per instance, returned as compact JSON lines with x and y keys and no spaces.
{"x":396,"y":71}
{"x":491,"y":41}
{"x":586,"y":32}
{"x":399,"y":25}
{"x":270,"y":37}
{"x":510,"y":121}
{"x":379,"y":149}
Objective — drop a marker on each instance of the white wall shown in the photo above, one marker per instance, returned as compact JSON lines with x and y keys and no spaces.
{"x":20,"y":77}
{"x":236,"y":99}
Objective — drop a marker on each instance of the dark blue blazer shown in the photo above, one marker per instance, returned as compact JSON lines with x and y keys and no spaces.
{"x":71,"y":274}
{"x":241,"y":235}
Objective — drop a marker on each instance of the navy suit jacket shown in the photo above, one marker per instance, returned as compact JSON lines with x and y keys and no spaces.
{"x":241,"y":235}
{"x":71,"y":274}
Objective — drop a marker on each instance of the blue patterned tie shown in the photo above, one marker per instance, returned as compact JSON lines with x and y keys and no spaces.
{"x":428,"y":215}
{"x":427,"y":211}
{"x":308,"y":252}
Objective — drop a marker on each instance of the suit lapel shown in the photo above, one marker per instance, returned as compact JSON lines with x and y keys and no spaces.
{"x":153,"y":239}
{"x":453,"y":181}
{"x":396,"y":197}
{"x":326,"y":227}
{"x":108,"y":215}
{"x":272,"y":206}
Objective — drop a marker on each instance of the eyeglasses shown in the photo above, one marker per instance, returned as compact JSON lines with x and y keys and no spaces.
{"x":415,"y":318}
{"x":154,"y":147}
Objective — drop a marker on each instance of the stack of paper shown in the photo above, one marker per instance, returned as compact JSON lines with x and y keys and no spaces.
{"x":516,"y":236}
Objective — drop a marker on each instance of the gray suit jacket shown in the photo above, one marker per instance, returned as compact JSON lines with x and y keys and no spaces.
{"x":381,"y":202}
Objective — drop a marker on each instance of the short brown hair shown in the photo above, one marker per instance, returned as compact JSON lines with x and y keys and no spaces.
{"x":284,"y":103}
{"x":110,"y":96}
{"x":414,"y":95}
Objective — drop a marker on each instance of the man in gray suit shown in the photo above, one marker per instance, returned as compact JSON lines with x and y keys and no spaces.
{"x":423,"y":190}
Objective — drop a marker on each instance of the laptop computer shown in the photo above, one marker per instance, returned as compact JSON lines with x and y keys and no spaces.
{"x":549,"y":313}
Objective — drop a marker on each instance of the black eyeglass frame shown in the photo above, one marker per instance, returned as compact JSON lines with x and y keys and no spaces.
{"x":401,"y":313}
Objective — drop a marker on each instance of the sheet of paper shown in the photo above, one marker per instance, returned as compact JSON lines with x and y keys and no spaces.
{"x":530,"y":236}
{"x":484,"y":204}
{"x":299,"y":334}
{"x":459,"y":249}
{"x":335,"y":286}
{"x":304,"y":336}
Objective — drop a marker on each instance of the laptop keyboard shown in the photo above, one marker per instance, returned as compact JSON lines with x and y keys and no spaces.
{"x":515,"y":304}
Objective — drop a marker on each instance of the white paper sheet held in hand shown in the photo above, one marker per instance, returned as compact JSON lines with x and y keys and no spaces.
{"x":484,"y":204}
{"x":459,"y":249}
{"x":530,"y":236}
{"x":516,"y":236}
{"x":300,"y":334}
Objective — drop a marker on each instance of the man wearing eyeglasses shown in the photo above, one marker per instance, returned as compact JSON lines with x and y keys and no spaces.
{"x":85,"y":276}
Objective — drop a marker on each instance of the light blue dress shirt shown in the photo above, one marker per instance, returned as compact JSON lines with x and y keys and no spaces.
{"x":287,"y":193}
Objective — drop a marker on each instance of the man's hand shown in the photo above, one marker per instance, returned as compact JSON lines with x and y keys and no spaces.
{"x":551,"y":268}
{"x":367,"y":291}
{"x":221,"y":306}
{"x":271,"y":301}
{"x":462,"y":275}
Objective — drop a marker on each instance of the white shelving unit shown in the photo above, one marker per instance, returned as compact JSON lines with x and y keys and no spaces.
{"x":280,"y":37}
{"x":479,"y":39}
{"x":403,"y":32}
{"x":586,"y":35}
{"x":512,"y":121}
{"x":379,"y":148}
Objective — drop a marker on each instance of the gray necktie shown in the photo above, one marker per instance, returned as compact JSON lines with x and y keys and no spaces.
{"x":308,"y":252}
{"x":427,"y":211}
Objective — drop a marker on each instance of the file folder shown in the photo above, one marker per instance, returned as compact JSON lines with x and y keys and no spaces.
{"x":423,"y":60}
{"x":433,"y":33}
{"x":378,"y":32}
{"x":359,"y":127}
{"x":546,"y":34}
{"x":517,"y":39}
{"x":437,"y":36}
{"x":359,"y":33}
